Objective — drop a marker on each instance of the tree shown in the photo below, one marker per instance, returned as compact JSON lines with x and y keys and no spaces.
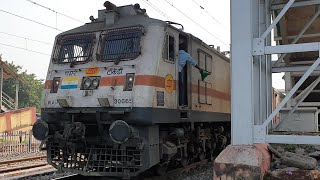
{"x":29,"y":92}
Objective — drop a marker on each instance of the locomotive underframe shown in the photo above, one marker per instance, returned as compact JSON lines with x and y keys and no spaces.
{"x":79,"y":140}
{"x":141,"y":115}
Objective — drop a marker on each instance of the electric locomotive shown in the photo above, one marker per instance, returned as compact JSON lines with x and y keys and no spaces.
{"x":110,"y":106}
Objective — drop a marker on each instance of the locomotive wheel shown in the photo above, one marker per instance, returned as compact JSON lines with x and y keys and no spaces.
{"x":184,"y":161}
{"x":160,"y":170}
{"x":202,"y":156}
{"x":209,"y":156}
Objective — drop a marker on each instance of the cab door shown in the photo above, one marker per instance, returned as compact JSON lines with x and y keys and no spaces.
{"x":169,"y":69}
{"x":184,"y":74}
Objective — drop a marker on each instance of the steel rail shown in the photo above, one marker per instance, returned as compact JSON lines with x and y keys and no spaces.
{"x":22,"y":167}
{"x":21,"y":160}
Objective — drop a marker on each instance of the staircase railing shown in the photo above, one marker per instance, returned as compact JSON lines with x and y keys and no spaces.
{"x":8,"y":102}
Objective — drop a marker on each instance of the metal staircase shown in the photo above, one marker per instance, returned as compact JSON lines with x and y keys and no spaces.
{"x":8,"y":103}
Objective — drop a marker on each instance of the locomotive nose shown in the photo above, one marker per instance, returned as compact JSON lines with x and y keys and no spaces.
{"x":120,"y":131}
{"x":40,"y":130}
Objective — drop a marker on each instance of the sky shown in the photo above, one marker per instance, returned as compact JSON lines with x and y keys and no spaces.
{"x":208,"y":20}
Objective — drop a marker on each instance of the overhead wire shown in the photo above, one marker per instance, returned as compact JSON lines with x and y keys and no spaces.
{"x":198,"y":24}
{"x":212,"y":17}
{"x":157,"y":9}
{"x":45,"y":7}
{"x":30,"y":20}
{"x":16,"y":47}
{"x":26,"y":38}
{"x":148,"y":2}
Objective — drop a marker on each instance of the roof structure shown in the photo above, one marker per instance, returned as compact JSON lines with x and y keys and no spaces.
{"x":8,"y":72}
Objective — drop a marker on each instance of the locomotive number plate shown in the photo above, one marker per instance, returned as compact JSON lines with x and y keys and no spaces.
{"x":122,"y":101}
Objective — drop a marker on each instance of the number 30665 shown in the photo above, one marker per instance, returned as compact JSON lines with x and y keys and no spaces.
{"x":122,"y":101}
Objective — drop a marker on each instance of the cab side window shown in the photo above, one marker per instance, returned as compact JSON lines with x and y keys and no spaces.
{"x":168,"y":51}
{"x":204,"y":61}
{"x":204,"y":87}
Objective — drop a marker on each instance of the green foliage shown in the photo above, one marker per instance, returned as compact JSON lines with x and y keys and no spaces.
{"x":29,"y":92}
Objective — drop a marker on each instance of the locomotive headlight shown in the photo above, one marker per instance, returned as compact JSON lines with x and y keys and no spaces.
{"x":87,"y":83}
{"x":55,"y":85}
{"x":95,"y":83}
{"x":90,"y":83}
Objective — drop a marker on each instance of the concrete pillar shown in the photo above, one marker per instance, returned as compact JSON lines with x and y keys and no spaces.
{"x":249,"y":86}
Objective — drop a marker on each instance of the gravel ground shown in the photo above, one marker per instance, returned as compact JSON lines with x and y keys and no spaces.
{"x":204,"y":172}
{"x":305,"y":157}
{"x":47,"y":176}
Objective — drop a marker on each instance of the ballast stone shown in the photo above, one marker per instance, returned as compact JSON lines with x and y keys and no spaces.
{"x":299,"y":161}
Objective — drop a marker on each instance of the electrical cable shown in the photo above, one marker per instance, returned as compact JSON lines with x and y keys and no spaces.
{"x":25,"y":38}
{"x":30,"y":20}
{"x":216,"y":20}
{"x":198,"y":24}
{"x":157,"y":9}
{"x":25,"y":49}
{"x":45,"y":7}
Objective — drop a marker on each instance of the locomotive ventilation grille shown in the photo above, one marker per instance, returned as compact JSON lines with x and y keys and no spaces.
{"x":100,"y":159}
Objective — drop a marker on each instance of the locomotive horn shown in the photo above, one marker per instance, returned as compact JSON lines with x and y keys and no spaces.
{"x":110,"y":6}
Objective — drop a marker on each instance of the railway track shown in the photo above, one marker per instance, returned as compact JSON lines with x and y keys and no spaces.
{"x":22,"y":159}
{"x":166,"y":176}
{"x":24,"y":167}
{"x":20,"y":164}
{"x":45,"y":171}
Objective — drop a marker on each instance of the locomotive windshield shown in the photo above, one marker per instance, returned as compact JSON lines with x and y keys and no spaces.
{"x":73,"y":48}
{"x":120,"y":44}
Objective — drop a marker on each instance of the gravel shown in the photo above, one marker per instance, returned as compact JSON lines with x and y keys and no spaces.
{"x":281,"y":170}
{"x":204,"y":172}
{"x":47,"y":176}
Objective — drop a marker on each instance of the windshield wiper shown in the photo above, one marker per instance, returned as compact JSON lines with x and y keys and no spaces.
{"x":75,"y":58}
